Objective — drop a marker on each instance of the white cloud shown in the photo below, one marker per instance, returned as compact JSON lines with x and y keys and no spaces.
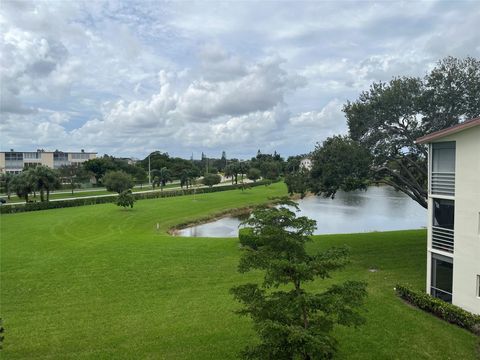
{"x":128,"y":78}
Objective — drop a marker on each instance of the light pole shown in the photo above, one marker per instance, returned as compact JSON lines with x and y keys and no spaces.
{"x":149,"y":175}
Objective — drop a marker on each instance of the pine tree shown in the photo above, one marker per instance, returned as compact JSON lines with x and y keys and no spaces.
{"x":293,"y":323}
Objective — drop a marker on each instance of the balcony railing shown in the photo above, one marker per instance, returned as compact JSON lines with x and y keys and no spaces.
{"x":442,"y":239}
{"x":443,"y":183}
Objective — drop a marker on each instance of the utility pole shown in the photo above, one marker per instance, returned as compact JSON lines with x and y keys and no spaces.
{"x":149,"y":175}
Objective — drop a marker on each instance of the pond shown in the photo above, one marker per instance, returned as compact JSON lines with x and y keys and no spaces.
{"x":380,"y":208}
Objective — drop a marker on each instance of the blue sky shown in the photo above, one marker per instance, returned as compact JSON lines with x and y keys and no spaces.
{"x":127,"y":78}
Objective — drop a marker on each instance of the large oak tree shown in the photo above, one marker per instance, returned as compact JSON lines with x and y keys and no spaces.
{"x":386,"y":120}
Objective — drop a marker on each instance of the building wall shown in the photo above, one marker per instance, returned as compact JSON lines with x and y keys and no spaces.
{"x":2,"y":162}
{"x":466,"y":256}
{"x":467,"y":216}
{"x":47,"y":159}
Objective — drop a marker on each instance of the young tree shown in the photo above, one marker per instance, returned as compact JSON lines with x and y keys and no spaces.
{"x":211,"y":179}
{"x":117,"y":181}
{"x":6,"y":184}
{"x":126,"y":199}
{"x":23,"y":185}
{"x":293,"y":323}
{"x":254,"y":174}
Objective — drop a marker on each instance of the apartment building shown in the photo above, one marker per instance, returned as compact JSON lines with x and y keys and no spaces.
{"x":14,"y":161}
{"x":453,"y":256}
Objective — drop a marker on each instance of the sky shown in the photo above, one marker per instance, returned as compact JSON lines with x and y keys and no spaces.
{"x":127,"y":78}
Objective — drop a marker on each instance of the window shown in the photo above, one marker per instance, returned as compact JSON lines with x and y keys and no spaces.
{"x":60,"y":156}
{"x":443,"y":157}
{"x":79,"y":156}
{"x":442,"y":180}
{"x":443,"y":213}
{"x":32,"y":155}
{"x":442,"y":277}
{"x":13,"y":156}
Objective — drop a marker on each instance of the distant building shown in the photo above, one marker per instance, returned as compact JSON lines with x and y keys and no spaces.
{"x":453,"y":256}
{"x":14,"y":161}
{"x":306,"y":163}
{"x":129,"y":161}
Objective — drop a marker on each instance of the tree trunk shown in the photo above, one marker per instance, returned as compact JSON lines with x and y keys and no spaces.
{"x":42,"y":195}
{"x":48,"y":194}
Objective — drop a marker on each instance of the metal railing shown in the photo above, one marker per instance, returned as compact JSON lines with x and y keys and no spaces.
{"x":443,"y":183}
{"x":442,"y":239}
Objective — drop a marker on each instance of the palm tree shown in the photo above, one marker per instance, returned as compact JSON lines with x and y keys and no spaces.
{"x":23,"y":185}
{"x":184,"y":178}
{"x":45,"y":180}
{"x":163,"y":177}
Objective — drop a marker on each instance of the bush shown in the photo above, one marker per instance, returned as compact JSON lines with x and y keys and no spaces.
{"x":451,"y":313}
{"x":211,"y":179}
{"x":35,"y":206}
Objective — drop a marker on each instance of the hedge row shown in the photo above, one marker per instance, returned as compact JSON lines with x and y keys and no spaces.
{"x":440,"y":308}
{"x":35,"y":206}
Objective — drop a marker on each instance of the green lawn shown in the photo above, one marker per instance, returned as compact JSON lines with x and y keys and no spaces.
{"x":99,"y":282}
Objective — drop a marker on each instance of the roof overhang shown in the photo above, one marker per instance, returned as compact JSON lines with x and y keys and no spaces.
{"x":448,"y":131}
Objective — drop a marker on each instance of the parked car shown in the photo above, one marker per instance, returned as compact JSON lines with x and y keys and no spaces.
{"x":2,"y":201}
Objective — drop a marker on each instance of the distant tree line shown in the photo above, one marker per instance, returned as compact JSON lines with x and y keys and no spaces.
{"x":121,"y":175}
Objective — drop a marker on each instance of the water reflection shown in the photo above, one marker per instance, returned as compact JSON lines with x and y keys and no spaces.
{"x":378,"y":209}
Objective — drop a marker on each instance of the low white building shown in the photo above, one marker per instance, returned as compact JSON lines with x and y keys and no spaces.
{"x":15,"y":161}
{"x":453,"y":262}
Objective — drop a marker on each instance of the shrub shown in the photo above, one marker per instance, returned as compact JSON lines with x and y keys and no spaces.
{"x":449,"y":312}
{"x":211,"y":179}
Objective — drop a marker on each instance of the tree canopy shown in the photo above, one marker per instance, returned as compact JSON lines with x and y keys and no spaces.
{"x":118,"y":181}
{"x":211,"y":179}
{"x":385,"y":121}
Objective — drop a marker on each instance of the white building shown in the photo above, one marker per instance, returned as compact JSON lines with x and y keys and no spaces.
{"x":306,"y":163}
{"x":453,"y":262}
{"x":15,"y":161}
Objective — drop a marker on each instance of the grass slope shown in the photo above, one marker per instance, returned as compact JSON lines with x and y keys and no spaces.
{"x":98,"y":282}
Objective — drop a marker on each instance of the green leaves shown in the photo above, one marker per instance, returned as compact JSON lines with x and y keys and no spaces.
{"x":118,"y":181}
{"x":126,"y":199}
{"x":340,"y":164}
{"x":291,"y":322}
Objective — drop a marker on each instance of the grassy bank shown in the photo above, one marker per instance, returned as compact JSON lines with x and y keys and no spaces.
{"x":98,"y":282}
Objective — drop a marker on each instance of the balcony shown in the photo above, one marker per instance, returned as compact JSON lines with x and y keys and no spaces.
{"x":442,"y":239}
{"x":443,"y":183}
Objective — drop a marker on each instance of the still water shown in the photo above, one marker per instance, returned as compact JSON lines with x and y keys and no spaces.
{"x":378,"y":209}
